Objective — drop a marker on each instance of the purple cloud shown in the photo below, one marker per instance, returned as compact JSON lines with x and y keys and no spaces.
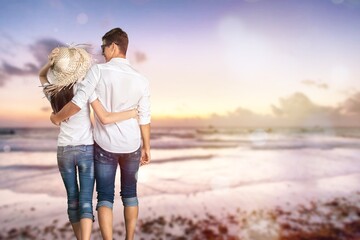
{"x":30,"y":69}
{"x":43,"y":47}
{"x":40,"y":50}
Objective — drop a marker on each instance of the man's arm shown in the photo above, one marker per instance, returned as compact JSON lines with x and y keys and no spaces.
{"x":67,"y":111}
{"x":145,"y":151}
{"x":111,"y":117}
{"x":144,"y":122}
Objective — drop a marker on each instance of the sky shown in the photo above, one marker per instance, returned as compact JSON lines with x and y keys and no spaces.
{"x":209,"y":62}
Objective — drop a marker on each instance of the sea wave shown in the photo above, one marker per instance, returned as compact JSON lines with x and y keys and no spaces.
{"x":45,"y":139}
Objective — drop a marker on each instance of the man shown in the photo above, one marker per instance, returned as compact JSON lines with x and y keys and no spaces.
{"x":118,"y":87}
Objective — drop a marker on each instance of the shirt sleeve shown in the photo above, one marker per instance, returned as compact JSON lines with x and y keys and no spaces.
{"x":93,"y":97}
{"x":87,"y":87}
{"x":144,"y":106}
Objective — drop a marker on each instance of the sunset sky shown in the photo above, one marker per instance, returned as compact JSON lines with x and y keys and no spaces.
{"x":228,"y":62}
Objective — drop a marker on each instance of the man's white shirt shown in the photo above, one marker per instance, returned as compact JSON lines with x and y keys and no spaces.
{"x":118,"y":87}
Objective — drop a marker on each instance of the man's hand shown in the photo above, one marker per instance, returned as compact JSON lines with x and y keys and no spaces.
{"x":145,"y":156}
{"x":54,"y":120}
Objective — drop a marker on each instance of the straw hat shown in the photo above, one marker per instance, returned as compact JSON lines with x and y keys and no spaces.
{"x":70,"y":65}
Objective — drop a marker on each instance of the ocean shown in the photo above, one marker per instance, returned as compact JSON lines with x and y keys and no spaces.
{"x":44,"y":139}
{"x":195,"y":172}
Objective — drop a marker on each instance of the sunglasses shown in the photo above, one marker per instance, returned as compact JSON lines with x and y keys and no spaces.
{"x":106,"y":45}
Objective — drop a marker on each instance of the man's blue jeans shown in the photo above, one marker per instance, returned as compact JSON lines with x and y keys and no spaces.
{"x":73,"y":159}
{"x":105,"y":171}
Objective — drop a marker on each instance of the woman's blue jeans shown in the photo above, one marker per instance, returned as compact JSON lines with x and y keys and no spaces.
{"x":105,"y":170}
{"x":73,"y":160}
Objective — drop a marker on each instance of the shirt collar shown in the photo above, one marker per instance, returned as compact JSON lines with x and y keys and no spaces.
{"x":120,"y":60}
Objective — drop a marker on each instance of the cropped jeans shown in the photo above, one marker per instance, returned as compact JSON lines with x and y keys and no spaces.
{"x":105,"y":170}
{"x":71,"y":161}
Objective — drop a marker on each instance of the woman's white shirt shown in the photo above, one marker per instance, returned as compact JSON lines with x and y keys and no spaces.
{"x":77,"y":130}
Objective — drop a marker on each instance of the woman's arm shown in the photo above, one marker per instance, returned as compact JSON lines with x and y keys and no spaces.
{"x":43,"y":71}
{"x":42,"y":74}
{"x":111,"y":117}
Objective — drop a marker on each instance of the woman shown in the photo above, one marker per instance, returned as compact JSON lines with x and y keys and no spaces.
{"x":67,"y":66}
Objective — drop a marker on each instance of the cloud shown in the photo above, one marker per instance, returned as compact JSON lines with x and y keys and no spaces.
{"x":313,"y":83}
{"x":29,"y":69}
{"x":298,"y":110}
{"x":295,"y":110}
{"x":39,"y":50}
{"x":298,"y":105}
{"x":240,"y":117}
{"x":351,"y":106}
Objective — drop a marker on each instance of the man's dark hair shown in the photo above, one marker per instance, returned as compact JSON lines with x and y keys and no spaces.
{"x":118,"y":36}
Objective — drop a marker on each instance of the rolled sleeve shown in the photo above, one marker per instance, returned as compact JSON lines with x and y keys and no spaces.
{"x":144,"y":106}
{"x":93,"y":97}
{"x":87,"y":87}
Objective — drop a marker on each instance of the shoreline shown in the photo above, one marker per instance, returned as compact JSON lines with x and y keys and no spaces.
{"x":268,"y":211}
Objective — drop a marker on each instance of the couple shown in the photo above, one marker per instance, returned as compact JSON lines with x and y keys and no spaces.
{"x":118,"y":95}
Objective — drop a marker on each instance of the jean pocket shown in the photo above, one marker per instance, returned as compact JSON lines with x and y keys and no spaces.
{"x":137,"y":152}
{"x":134,"y":156}
{"x":102,"y":156}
